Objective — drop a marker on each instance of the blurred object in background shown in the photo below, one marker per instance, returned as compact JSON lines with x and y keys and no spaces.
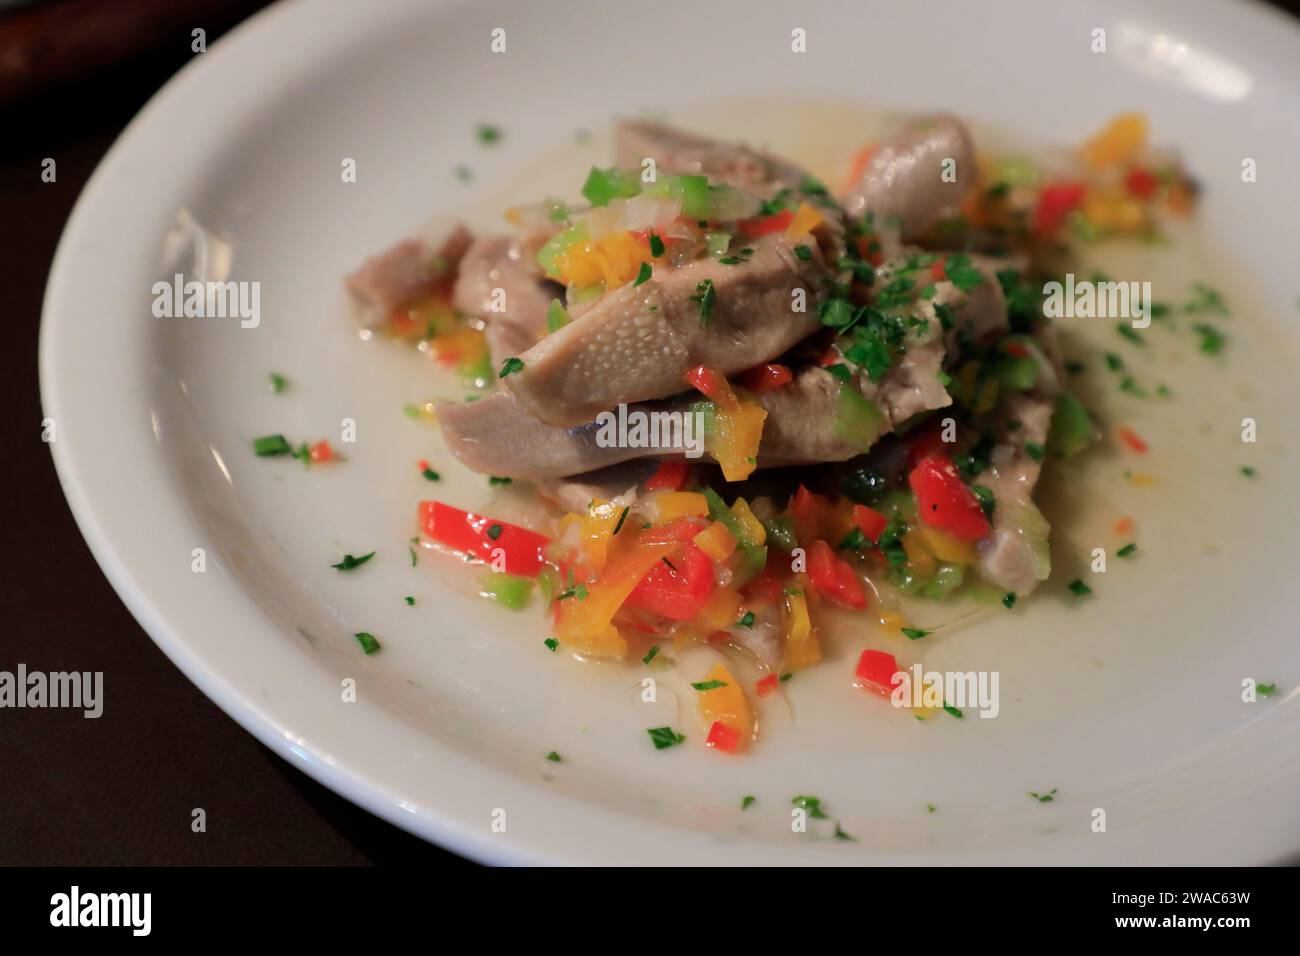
{"x":45,"y":43}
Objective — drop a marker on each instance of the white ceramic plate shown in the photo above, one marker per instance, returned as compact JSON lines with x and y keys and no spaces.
{"x":1129,"y":702}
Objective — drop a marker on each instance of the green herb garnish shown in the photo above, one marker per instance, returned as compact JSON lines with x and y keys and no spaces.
{"x":1125,"y":551}
{"x":510,"y":366}
{"x":278,"y":382}
{"x":367,"y":641}
{"x":1078,"y":587}
{"x":349,"y":562}
{"x":915,"y":633}
{"x":664,"y":737}
{"x":643,"y":275}
{"x":708,"y":684}
{"x":704,"y":299}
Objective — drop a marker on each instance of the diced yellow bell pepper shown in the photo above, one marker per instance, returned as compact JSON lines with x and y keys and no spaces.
{"x":1119,"y":142}
{"x":805,"y":220}
{"x":802,"y":648}
{"x":716,"y":541}
{"x":720,"y":610}
{"x":944,"y":546}
{"x":919,"y":559}
{"x":736,"y":437}
{"x":614,"y":260}
{"x":727,"y":705}
{"x":753,"y":529}
{"x":892,"y":622}
{"x":1114,"y":210}
{"x":597,"y":527}
{"x":584,"y":624}
{"x":679,"y":504}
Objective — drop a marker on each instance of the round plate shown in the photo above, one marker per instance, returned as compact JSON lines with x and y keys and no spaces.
{"x":1128,"y":703}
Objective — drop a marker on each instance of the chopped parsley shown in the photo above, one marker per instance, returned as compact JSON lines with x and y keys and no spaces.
{"x":551,"y":644}
{"x":1266,"y":690}
{"x":554,"y":757}
{"x":747,"y":619}
{"x":498,"y":480}
{"x":1129,"y":333}
{"x":855,"y":540}
{"x":950,"y":709}
{"x":411,"y":548}
{"x":656,"y":245}
{"x":930,"y":808}
{"x":1114,"y":362}
{"x":890,"y":543}
{"x":349,"y":562}
{"x":708,"y":684}
{"x":1212,"y":340}
{"x":1009,"y":600}
{"x":841,"y":835}
{"x":578,"y":591}
{"x":621,"y":518}
{"x":988,"y":503}
{"x":961,"y":273}
{"x":1127,"y":550}
{"x":747,"y":802}
{"x":367,"y":641}
{"x":643,"y":275}
{"x":431,"y":475}
{"x":1044,"y":797}
{"x":704,"y":299}
{"x":650,"y":654}
{"x":915,"y":633}
{"x":1034,"y":450}
{"x":1205,"y":299}
{"x":1078,"y":587}
{"x":278,"y":382}
{"x":840,"y":371}
{"x":803,"y":252}
{"x":1248,"y":471}
{"x":494,"y":531}
{"x":810,"y":805}
{"x":510,"y":366}
{"x":409,"y":600}
{"x":664,"y":737}
{"x":487,"y":134}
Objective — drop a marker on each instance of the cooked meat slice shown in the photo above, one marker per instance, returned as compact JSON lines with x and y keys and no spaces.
{"x":406,"y":273}
{"x":500,"y":281}
{"x":496,"y":436}
{"x":685,"y":154}
{"x":638,"y":342}
{"x":906,"y":177}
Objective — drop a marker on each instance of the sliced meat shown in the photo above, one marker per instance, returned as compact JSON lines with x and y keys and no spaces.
{"x":685,"y":154}
{"x":906,"y":179}
{"x":408,"y":272}
{"x":500,"y":281}
{"x":637,"y":343}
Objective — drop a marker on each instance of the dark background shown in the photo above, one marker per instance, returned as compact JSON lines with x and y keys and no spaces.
{"x":120,"y":789}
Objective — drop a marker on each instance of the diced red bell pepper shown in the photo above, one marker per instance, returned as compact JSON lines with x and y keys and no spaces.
{"x":670,"y":476}
{"x":876,"y":670}
{"x":321,"y":452}
{"x":766,"y":378}
{"x":938,"y":271}
{"x":1142,"y":183}
{"x":812,"y":514}
{"x":723,"y":737}
{"x":833,"y":577}
{"x":1055,"y":202}
{"x":676,"y":592}
{"x":1133,"y":440}
{"x":944,"y":501}
{"x":869,"y":521}
{"x":474,"y":534}
{"x":764,"y":225}
{"x":766,"y":685}
{"x":1015,"y":350}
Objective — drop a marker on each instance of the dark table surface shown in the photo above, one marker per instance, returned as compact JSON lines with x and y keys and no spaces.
{"x":120,"y":789}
